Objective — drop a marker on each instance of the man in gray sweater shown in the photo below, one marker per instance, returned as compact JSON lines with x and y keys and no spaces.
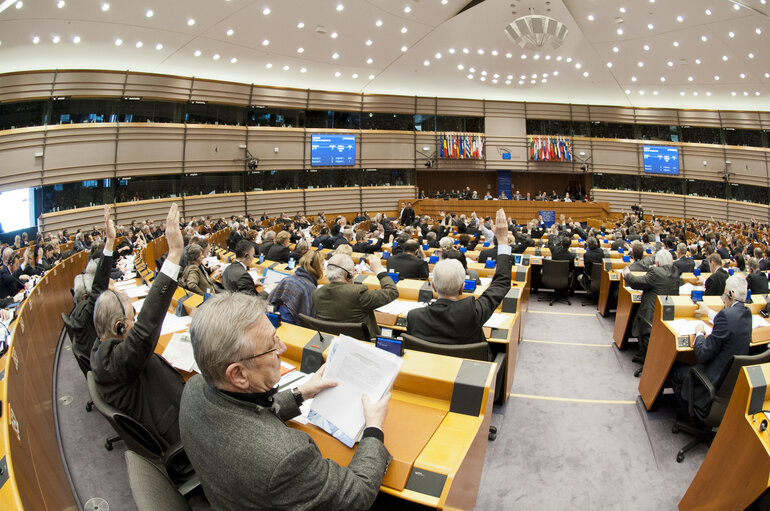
{"x":232,"y":421}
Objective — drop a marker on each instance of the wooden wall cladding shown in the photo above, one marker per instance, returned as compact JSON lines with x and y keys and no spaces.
{"x":390,"y":149}
{"x":332,"y":199}
{"x":152,"y":86}
{"x":75,"y":152}
{"x":88,"y":84}
{"x":220,"y":205}
{"x":26,"y":85}
{"x":619,"y":200}
{"x":385,"y":198}
{"x":32,"y":452}
{"x":275,"y":202}
{"x":214,"y":148}
{"x":339,"y":101}
{"x":381,"y":103}
{"x":220,"y":92}
{"x":155,"y":210}
{"x":292,"y":149}
{"x":150,"y":149}
{"x":615,"y":157}
{"x":19,"y":165}
{"x":72,"y":220}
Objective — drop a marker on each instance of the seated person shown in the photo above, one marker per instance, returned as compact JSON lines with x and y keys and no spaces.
{"x":684,"y":263}
{"x":194,"y":277}
{"x":363,"y":246}
{"x":560,"y":251}
{"x":451,"y":320}
{"x":345,"y":237}
{"x":324,"y":240}
{"x":294,"y":294}
{"x":300,"y":249}
{"x":268,"y":239}
{"x":233,"y":427}
{"x":128,"y":374}
{"x":29,"y":266}
{"x":279,"y":251}
{"x":344,"y":302}
{"x":236,"y":277}
{"x":409,"y":263}
{"x":594,"y":255}
{"x":715,"y":284}
{"x":11,"y":278}
{"x":641,"y":263}
{"x":757,"y":281}
{"x":730,"y":336}
{"x":491,"y":252}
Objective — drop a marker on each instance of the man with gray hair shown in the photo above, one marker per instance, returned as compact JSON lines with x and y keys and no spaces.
{"x":450,"y":320}
{"x":730,"y":336}
{"x":662,"y":279}
{"x":232,"y":421}
{"x":757,"y":281}
{"x":128,"y":374}
{"x":346,"y":237}
{"x":268,"y":240}
{"x":684,"y":263}
{"x":346,"y":302}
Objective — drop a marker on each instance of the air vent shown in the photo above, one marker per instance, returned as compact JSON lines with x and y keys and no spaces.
{"x":320,"y":29}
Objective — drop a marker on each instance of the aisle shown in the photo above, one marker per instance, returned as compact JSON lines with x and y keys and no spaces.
{"x":573,"y":434}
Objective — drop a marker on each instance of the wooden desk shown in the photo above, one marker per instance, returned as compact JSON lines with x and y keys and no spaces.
{"x":518,"y":209}
{"x":610,"y":280}
{"x":628,"y":303}
{"x":735,"y":470}
{"x":667,"y":345}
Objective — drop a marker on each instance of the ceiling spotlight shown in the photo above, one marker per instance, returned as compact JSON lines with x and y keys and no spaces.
{"x":407,"y":9}
{"x":460,"y":67}
{"x":654,"y":93}
{"x":190,"y":22}
{"x":371,"y":77}
{"x":230,"y":31}
{"x":622,"y":9}
{"x":403,"y":30}
{"x":268,"y":65}
{"x":300,"y":25}
{"x":334,"y":35}
{"x":466,"y":50}
{"x":585,"y":74}
{"x":619,"y":31}
{"x":690,"y":78}
{"x":758,"y":31}
{"x":76,"y":39}
{"x":676,"y":44}
{"x":697,"y":61}
{"x":615,"y":49}
{"x":60,"y":4}
{"x":55,"y":39}
{"x":265,"y":42}
{"x":649,"y":25}
{"x":708,"y":93}
{"x":646,"y":47}
{"x":118,"y":42}
{"x":216,"y":56}
{"x":731,"y":34}
{"x":662,"y":78}
{"x":578,"y":65}
{"x":736,"y":7}
{"x":369,"y":60}
{"x":337,"y":74}
{"x":480,"y":51}
{"x":609,"y":64}
{"x":484,"y":73}
{"x":590,"y":17}
{"x":704,"y":38}
{"x":36,"y":40}
{"x":335,"y":55}
{"x":633,"y":79}
{"x":680,"y":19}
{"x":303,"y":70}
{"x":641,"y":93}
{"x":378,"y":23}
{"x":197,"y":53}
{"x":716,"y":77}
{"x":742,"y":75}
{"x":438,"y":55}
{"x":300,"y":50}
{"x":670,"y":64}
{"x":105,"y":7}
{"x":426,"y":63}
{"x":724,"y":58}
{"x":285,"y":68}
{"x":158,"y":46}
{"x":150,"y":13}
{"x":640,"y":64}
{"x":534,"y":32}
{"x":340,"y":7}
{"x":368,"y":42}
{"x":681,"y":93}
{"x":452,"y":51}
{"x":404,"y":48}
{"x":708,"y":12}
{"x":628,"y":91}
{"x":537,"y":56}
{"x":233,"y":60}
{"x":494,"y":52}
{"x":266,"y":11}
{"x":139,"y":44}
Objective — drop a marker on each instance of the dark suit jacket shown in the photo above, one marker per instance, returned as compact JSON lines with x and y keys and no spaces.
{"x":685,"y":264}
{"x":341,"y":241}
{"x":724,"y":253}
{"x":10,"y":284}
{"x":132,"y":378}
{"x":488,"y":253}
{"x":704,"y":266}
{"x":82,"y":316}
{"x":592,"y":256}
{"x":757,"y":282}
{"x":660,"y":280}
{"x":408,"y":266}
{"x":236,"y":279}
{"x":363,"y":247}
{"x":278,"y":253}
{"x":324,"y":241}
{"x":715,"y":284}
{"x":265,"y":247}
{"x":407,"y":216}
{"x":459,"y":321}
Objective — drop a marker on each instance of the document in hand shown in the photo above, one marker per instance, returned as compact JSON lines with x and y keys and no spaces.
{"x":358,"y":368}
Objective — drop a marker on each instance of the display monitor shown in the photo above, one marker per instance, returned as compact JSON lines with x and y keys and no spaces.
{"x":661,"y":159}
{"x":332,"y":150}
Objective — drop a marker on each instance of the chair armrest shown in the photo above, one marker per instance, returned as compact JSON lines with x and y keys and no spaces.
{"x":189,"y":486}
{"x":695,"y":371}
{"x":177,"y":464}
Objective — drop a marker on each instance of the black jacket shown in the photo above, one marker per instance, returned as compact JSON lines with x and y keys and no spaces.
{"x":363,"y":247}
{"x":408,"y":266}
{"x":82,"y":316}
{"x":323,"y":241}
{"x":236,"y":279}
{"x":10,"y":284}
{"x":488,"y":253}
{"x":715,"y":284}
{"x":265,"y":247}
{"x":278,"y":253}
{"x":660,"y":280}
{"x":590,"y":257}
{"x":757,"y":282}
{"x":685,"y":264}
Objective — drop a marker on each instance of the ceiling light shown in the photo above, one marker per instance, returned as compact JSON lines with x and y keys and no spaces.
{"x":60,"y":4}
{"x":444,"y":2}
{"x":585,"y":74}
{"x":460,"y":67}
{"x":150,"y":13}
{"x":230,"y":31}
{"x":745,"y":93}
{"x":334,"y":35}
{"x":404,"y":48}
{"x":533,"y":32}
{"x":438,"y":55}
{"x":483,"y":79}
{"x":472,"y":69}
{"x":724,"y":58}
{"x":609,"y":64}
{"x":633,"y":78}
{"x":300,"y":49}
{"x":558,"y":58}
{"x":751,"y":55}
{"x":480,"y":51}
{"x":732,"y":93}
{"x":654,"y":93}
{"x":371,"y":77}
{"x":403,"y":30}
{"x":216,"y":56}
{"x":680,"y":19}
{"x":646,"y":47}
{"x":704,"y":38}
{"x":521,"y":82}
{"x":340,"y":7}
{"x":544,"y":80}
{"x":139,"y":44}
{"x":368,"y":42}
{"x":426,"y":63}
{"x":731,"y":34}
{"x":556,"y":73}
{"x":534,"y":75}
{"x":578,"y":65}
{"x":523,"y":56}
{"x":716,"y":77}
{"x":494,"y":52}
{"x":466,"y":50}
{"x":590,"y":17}
{"x":509,"y":77}
{"x":369,"y":60}
{"x":697,"y":61}
{"x":265,"y":42}
{"x":55,"y":39}
{"x":407,"y":9}
{"x":266,"y":11}
{"x":681,"y":93}
{"x":695,"y":93}
{"x":335,"y":55}
{"x":640,"y":64}
{"x":756,"y":93}
{"x":303,"y":70}
{"x":689,"y":78}
{"x":452,"y":51}
{"x":337,"y":74}
{"x":285,"y":68}
{"x":569,"y":59}
{"x":197,"y":53}
{"x":619,"y":31}
{"x":758,"y":31}
{"x":708,"y":12}
{"x":470,"y":77}
{"x":378,"y":23}
{"x":736,"y":7}
{"x":233,"y":60}
{"x":676,"y":44}
{"x":615,"y":49}
{"x":268,"y":65}
{"x":158,"y":46}
{"x":190,"y":22}
{"x":670,"y":64}
{"x":767,"y":75}
{"x":649,"y":25}
{"x":641,"y":93}
{"x":708,"y":93}
{"x":105,"y":7}
{"x":628,"y":91}
{"x":547,"y":57}
{"x":537,"y":56}
{"x":118,"y":42}
{"x":742,"y":75}
{"x":483,"y":73}
{"x":622,"y":9}
{"x":662,"y":78}
{"x":507,"y":82}
{"x":300,"y":25}
{"x":76,"y":39}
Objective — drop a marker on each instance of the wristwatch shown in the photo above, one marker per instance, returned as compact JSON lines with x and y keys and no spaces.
{"x":297,"y":396}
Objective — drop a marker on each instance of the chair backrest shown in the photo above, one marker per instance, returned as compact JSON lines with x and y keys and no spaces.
{"x":356,"y":330}
{"x":68,"y":326}
{"x":151,"y":487}
{"x":725,"y":390}
{"x":474,"y":351}
{"x":596,"y":277}
{"x":83,"y":359}
{"x":132,"y":432}
{"x":555,"y":274}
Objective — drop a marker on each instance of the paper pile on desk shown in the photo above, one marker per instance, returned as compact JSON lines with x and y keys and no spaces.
{"x":686,"y":289}
{"x":758,"y":322}
{"x":687,"y":326}
{"x":398,"y":307}
{"x":172,"y":323}
{"x":179,"y":353}
{"x":358,"y":368}
{"x":496,"y":320}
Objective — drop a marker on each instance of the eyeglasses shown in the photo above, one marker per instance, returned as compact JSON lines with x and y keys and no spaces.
{"x":276,"y":348}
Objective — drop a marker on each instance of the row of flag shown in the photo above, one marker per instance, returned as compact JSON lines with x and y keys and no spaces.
{"x":461,"y":146}
{"x":550,"y":149}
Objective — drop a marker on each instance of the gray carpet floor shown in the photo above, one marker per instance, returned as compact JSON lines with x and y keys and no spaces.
{"x":573,"y":435}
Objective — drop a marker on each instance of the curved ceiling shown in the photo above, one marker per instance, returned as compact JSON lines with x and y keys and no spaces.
{"x":668,"y":53}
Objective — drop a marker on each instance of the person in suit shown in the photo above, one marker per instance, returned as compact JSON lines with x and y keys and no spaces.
{"x":730,"y":336}
{"x":489,"y":253}
{"x":450,"y":320}
{"x":722,"y":251}
{"x":234,"y":237}
{"x":363,"y":246}
{"x":268,"y":239}
{"x":344,"y":302}
{"x":756,"y":280}
{"x":407,"y":215}
{"x":323,"y":240}
{"x":641,"y":263}
{"x":236,"y":277}
{"x":594,"y":255}
{"x":705,"y":267}
{"x":128,"y":374}
{"x":684,"y":263}
{"x":279,"y":251}
{"x":345,"y":238}
{"x":764,"y":264}
{"x":11,"y":278}
{"x":715,"y":284}
{"x":232,"y":421}
{"x":663,"y":279}
{"x":560,"y":252}
{"x":409,"y":263}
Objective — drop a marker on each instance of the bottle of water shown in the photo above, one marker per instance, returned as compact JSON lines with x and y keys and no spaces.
{"x":291,"y":263}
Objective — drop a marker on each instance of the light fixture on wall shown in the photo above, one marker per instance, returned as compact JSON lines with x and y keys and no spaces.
{"x":533,"y":31}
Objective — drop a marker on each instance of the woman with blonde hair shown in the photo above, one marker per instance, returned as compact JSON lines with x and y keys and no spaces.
{"x":294,"y":294}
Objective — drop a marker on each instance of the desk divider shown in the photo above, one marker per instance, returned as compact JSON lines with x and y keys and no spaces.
{"x":758,"y":389}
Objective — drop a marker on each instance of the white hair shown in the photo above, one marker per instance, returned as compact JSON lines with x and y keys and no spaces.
{"x":335,"y":269}
{"x":448,"y":277}
{"x":446,"y":243}
{"x":735,"y":287}
{"x":663,"y":258}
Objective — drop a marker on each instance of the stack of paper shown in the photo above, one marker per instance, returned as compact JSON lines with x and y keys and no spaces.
{"x":172,"y":323}
{"x":496,"y":320}
{"x":179,"y":353}
{"x":399,"y":307}
{"x":758,"y":322}
{"x":687,"y":326}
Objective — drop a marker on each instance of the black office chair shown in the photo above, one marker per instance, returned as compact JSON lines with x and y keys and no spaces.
{"x":718,"y":400}
{"x":139,"y":439}
{"x":356,"y":330}
{"x":473,"y":351}
{"x":83,"y":359}
{"x":555,"y":276}
{"x":592,"y":284}
{"x":151,"y":487}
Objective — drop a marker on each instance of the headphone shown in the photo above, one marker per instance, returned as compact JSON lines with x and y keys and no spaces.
{"x":348,"y":275}
{"x":120,"y":325}
{"x":731,"y":297}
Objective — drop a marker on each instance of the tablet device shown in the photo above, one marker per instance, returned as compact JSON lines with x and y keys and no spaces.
{"x":489,"y":263}
{"x":470,"y":285}
{"x":697,"y":296}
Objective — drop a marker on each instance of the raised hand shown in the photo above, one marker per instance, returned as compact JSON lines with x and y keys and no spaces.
{"x":174,"y":235}
{"x":109,"y":228}
{"x":501,"y":228}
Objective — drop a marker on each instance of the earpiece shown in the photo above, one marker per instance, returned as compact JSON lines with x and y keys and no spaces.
{"x":120,"y":326}
{"x":348,"y":275}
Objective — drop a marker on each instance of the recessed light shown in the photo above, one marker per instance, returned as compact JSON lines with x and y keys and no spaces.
{"x":654,"y":93}
{"x":76,"y":39}
{"x":767,"y":75}
{"x":646,"y":47}
{"x":751,"y":55}
{"x":756,"y":93}
{"x":619,"y":31}
{"x":216,"y":56}
{"x":451,"y":50}
{"x":407,"y":9}
{"x":378,"y":23}
{"x":466,"y":50}
{"x":609,"y":64}
{"x":676,"y":44}
{"x":266,"y":11}
{"x":334,"y":35}
{"x":403,"y":30}
{"x":716,"y":77}
{"x":578,"y":65}
{"x":368,"y":42}
{"x":681,"y":93}
{"x":355,"y":75}
{"x":733,"y":93}
{"x":507,"y":82}
{"x":649,"y":26}
{"x":731,"y":34}
{"x":55,"y":39}
{"x":534,"y":75}
{"x":484,"y":73}
{"x":569,"y":59}
{"x":680,"y":19}
{"x":190,"y":22}
{"x":745,"y":93}
{"x":547,"y":57}
{"x":303,"y":70}
{"x":369,"y":60}
{"x":590,"y":17}
{"x":622,"y":9}
{"x":469,"y":76}
{"x":444,"y":2}
{"x":521,"y":82}
{"x":523,"y":56}
{"x":697,"y":61}
{"x":633,"y":78}
{"x":426,"y":63}
{"x":708,"y":12}
{"x":641,"y":93}
{"x":670,"y":64}
{"x":340,"y":7}
{"x":335,"y":55}
{"x":197,"y":53}
{"x":139,"y":44}
{"x":556,"y":73}
{"x":558,"y":59}
{"x":585,"y":74}
{"x":708,"y":93}
{"x":480,"y":51}
{"x":337,"y":74}
{"x":736,"y":7}
{"x":230,"y":31}
{"x":233,"y":60}
{"x":285,"y":68}
{"x":404,"y":48}
{"x":118,"y":42}
{"x":437,"y":55}
{"x":300,"y":25}
{"x":704,"y":38}
{"x":483,"y":79}
{"x":472,"y":70}
{"x":628,"y":91}
{"x":640,"y":64}
{"x":494,"y":52}
{"x":105,"y":7}
{"x":724,"y":58}
{"x":265,"y":42}
{"x":690,"y":78}
{"x":149,"y":13}
{"x":268,"y":65}
{"x":662,"y":78}
{"x":695,"y":93}
{"x":460,"y":67}
{"x":158,"y":46}
{"x":614,"y":48}
{"x":742,"y":75}
{"x":371,"y":77}
{"x":537,"y":56}
{"x":60,"y":4}
{"x":509,"y":77}
{"x":758,"y":31}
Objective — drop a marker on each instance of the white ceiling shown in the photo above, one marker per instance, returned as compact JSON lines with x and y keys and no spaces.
{"x":679,"y":69}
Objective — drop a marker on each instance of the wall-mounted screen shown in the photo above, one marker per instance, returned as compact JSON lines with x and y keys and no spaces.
{"x":661,"y":159}
{"x":18,"y":209}
{"x":332,"y":150}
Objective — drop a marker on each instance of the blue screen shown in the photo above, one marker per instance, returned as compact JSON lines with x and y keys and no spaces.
{"x":661,"y":159}
{"x":332,"y":150}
